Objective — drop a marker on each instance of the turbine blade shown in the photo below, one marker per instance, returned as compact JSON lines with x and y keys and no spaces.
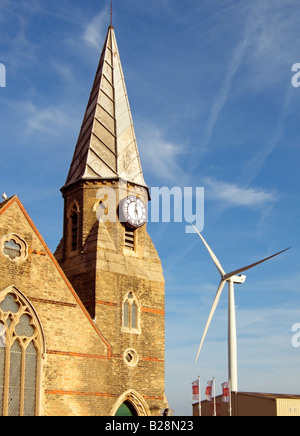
{"x":213,"y":256}
{"x":211,"y":314}
{"x":233,"y":273}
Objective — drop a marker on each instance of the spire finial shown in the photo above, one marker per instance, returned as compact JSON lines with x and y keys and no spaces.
{"x":111,"y":12}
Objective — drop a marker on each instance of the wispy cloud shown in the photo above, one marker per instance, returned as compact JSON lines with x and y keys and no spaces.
{"x":224,"y":92}
{"x":50,"y":120}
{"x":45,"y":120}
{"x":94,"y":31}
{"x":230,"y":194}
{"x":272,"y":45}
{"x":255,"y":165}
{"x":264,"y":51}
{"x":160,"y":157}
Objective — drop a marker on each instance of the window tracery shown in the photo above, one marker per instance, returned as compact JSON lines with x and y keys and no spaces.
{"x":14,"y":248}
{"x":21,"y":350}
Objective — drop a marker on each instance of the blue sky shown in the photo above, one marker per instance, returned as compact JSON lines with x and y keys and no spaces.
{"x":210,"y":90}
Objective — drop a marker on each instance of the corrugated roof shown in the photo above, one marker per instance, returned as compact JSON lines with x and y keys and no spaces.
{"x":106,"y":146}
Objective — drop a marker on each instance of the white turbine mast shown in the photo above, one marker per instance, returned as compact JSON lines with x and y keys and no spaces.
{"x":230,"y":278}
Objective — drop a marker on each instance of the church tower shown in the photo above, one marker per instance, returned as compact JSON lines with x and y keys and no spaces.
{"x":106,"y":252}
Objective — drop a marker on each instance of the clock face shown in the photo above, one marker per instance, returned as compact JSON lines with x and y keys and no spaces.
{"x":134,"y":211}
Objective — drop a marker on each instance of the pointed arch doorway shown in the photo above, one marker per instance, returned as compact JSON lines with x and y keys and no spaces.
{"x":126,"y":409}
{"x":131,"y":404}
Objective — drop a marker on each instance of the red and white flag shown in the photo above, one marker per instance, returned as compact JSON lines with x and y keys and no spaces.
{"x":208,"y":391}
{"x":196,"y":390}
{"x":225,"y":392}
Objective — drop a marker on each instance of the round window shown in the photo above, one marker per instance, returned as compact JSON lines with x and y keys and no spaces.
{"x":131,"y":357}
{"x":14,"y":248}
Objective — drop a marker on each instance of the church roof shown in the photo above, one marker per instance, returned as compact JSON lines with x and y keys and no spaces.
{"x":106,"y":147}
{"x":3,"y":203}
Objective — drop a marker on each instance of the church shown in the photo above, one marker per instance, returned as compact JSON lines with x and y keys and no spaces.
{"x":82,"y":331}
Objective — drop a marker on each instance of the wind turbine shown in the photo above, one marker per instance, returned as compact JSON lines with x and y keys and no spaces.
{"x":231,"y":278}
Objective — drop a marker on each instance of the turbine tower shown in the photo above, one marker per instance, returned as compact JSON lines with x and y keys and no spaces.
{"x":231,"y":278}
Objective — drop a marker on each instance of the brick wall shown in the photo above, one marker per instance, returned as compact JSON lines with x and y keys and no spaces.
{"x":84,"y":371}
{"x":117,"y":271}
{"x":75,"y":348}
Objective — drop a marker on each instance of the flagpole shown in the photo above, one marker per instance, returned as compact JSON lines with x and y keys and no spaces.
{"x":199,"y":385}
{"x":196,"y":390}
{"x":230,"y":410}
{"x":214,"y":397}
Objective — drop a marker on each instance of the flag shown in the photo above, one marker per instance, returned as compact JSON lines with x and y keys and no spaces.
{"x":196,"y":390}
{"x":208,"y":391}
{"x":225,"y":392}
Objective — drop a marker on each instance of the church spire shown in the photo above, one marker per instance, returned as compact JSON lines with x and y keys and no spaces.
{"x":106,"y":147}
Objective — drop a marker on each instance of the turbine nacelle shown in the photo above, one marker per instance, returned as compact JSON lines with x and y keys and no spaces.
{"x":237,"y":279}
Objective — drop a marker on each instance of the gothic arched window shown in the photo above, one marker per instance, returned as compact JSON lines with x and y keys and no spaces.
{"x":131,"y":314}
{"x":21,"y":350}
